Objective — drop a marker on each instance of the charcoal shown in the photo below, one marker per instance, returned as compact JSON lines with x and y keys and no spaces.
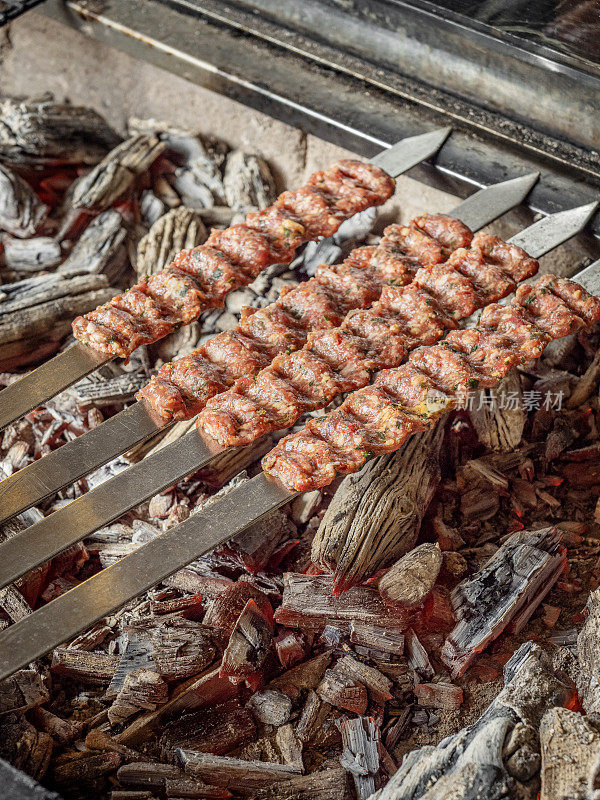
{"x":271,"y":707}
{"x":418,"y":658}
{"x":588,"y":676}
{"x":234,"y":773}
{"x":31,"y":255}
{"x":116,"y":173}
{"x":308,"y":603}
{"x":570,"y":746}
{"x":23,"y":746}
{"x":143,"y":690}
{"x":179,"y":229}
{"x":446,"y":696}
{"x":229,"y":604}
{"x":216,"y":730}
{"x":305,"y":506}
{"x":409,"y":581}
{"x":99,"y":250}
{"x":375,"y":515}
{"x":500,"y":424}
{"x":327,"y":784}
{"x":18,"y":786}
{"x":304,"y":676}
{"x":248,"y":182}
{"x":342,"y":690}
{"x":360,"y":756}
{"x":21,"y":211}
{"x":22,"y":691}
{"x":309,"y":717}
{"x":290,"y":647}
{"x":290,"y":746}
{"x":190,"y":183}
{"x":378,"y":685}
{"x":471,"y":762}
{"x":506,"y":591}
{"x":95,"y":668}
{"x":63,"y":731}
{"x":96,"y":391}
{"x":44,"y":132}
{"x":376,"y":638}
{"x":151,"y":208}
{"x":80,"y":770}
{"x":249,"y":644}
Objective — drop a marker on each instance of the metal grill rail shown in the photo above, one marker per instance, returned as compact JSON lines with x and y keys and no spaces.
{"x":11,"y":9}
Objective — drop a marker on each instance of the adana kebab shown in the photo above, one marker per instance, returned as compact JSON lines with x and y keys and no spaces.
{"x":409,"y":316}
{"x":200,"y":278}
{"x":376,"y":419}
{"x":182,"y":388}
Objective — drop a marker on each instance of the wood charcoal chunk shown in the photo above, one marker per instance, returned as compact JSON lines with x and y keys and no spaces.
{"x":412,"y":577}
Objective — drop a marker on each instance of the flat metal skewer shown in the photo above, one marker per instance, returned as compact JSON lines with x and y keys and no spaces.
{"x":65,"y":369}
{"x":90,"y":451}
{"x":95,"y":598}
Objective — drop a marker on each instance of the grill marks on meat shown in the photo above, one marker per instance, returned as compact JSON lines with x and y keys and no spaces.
{"x":199,"y":279}
{"x":379,"y":418}
{"x":182,"y":388}
{"x":343,"y":359}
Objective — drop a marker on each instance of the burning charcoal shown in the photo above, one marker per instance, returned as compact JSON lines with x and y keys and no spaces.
{"x":22,"y":691}
{"x":216,"y":730}
{"x":304,"y":676}
{"x":507,"y":590}
{"x":360,"y":756}
{"x":411,"y":578}
{"x":44,"y":132}
{"x":439,"y":695}
{"x":378,"y":685}
{"x":191,"y":185}
{"x":18,"y":786}
{"x":151,"y":208}
{"x":156,"y":777}
{"x":31,"y":255}
{"x":227,"y":607}
{"x":290,"y":648}
{"x":375,"y":515}
{"x":248,"y":181}
{"x":328,"y":784}
{"x":64,"y":731}
{"x":305,"y":506}
{"x":116,"y":173}
{"x":24,"y":747}
{"x":234,"y":773}
{"x":290,"y":746}
{"x":21,"y":211}
{"x":99,"y":250}
{"x":249,"y":644}
{"x":179,"y":229}
{"x":308,"y":603}
{"x":472,"y":760}
{"x":570,"y":745}
{"x":378,"y":639}
{"x":142,"y":690}
{"x":80,"y":770}
{"x":588,"y":677}
{"x":97,"y":391}
{"x":91,"y":668}
{"x":309,"y":716}
{"x":271,"y":707}
{"x":342,"y":690}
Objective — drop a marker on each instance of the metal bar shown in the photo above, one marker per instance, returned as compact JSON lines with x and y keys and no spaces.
{"x":19,"y":490}
{"x":164,"y":468}
{"x":74,"y":364}
{"x":49,"y":379}
{"x":14,"y":9}
{"x":109,"y":589}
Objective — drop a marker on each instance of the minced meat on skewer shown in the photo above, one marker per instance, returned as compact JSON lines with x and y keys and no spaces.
{"x":200,"y":278}
{"x":379,"y":418}
{"x":341,"y":360}
{"x":181,"y":388}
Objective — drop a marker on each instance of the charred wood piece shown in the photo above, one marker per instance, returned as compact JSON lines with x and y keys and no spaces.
{"x":271,"y":707}
{"x":473,"y":762}
{"x":360,"y":756}
{"x":25,"y":747}
{"x":116,"y":173}
{"x":217,"y":730}
{"x":234,"y":773}
{"x":44,"y":132}
{"x":570,"y":746}
{"x":143,"y":690}
{"x":248,"y":182}
{"x":93,"y":668}
{"x":21,"y":211}
{"x":179,"y":229}
{"x":500,"y":423}
{"x":31,"y":255}
{"x":249,"y":645}
{"x":588,"y":677}
{"x":99,"y":249}
{"x":22,"y":691}
{"x":328,"y":784}
{"x":309,"y":604}
{"x":375,"y":515}
{"x":409,"y":581}
{"x":377,"y":638}
{"x":506,"y":591}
